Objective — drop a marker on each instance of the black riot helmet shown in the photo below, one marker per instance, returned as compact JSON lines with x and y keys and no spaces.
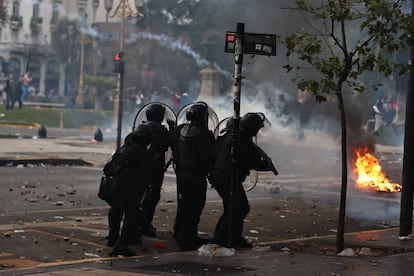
{"x":251,"y":123}
{"x":155,"y":113}
{"x":142,"y":134}
{"x":198,"y":113}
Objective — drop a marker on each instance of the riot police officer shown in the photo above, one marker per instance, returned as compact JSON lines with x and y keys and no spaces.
{"x":159,"y":146}
{"x":135,"y":182}
{"x":250,"y":157}
{"x":191,"y":144}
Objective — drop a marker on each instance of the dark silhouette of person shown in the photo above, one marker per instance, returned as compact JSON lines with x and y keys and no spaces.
{"x":250,"y":157}
{"x":191,"y":144}
{"x":98,"y":136}
{"x":42,"y":132}
{"x":134,"y":183}
{"x":8,"y":88}
{"x":159,"y":145}
{"x":17,"y":93}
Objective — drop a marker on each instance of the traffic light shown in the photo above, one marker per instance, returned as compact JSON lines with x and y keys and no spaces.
{"x":119,"y":63}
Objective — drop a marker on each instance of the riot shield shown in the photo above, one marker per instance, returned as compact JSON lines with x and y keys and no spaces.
{"x":225,"y":126}
{"x":141,"y":115}
{"x":169,"y":115}
{"x":213,"y":120}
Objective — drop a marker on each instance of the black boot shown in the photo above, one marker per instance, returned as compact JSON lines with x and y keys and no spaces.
{"x":121,"y":248}
{"x":149,"y":231}
{"x":112,"y":238}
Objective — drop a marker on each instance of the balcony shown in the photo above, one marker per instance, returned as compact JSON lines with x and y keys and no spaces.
{"x":16,"y":22}
{"x":36,"y":24}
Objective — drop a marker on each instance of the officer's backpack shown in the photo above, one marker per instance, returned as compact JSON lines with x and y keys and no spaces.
{"x":111,"y":186}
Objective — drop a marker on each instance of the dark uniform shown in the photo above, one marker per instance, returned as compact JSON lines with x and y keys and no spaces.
{"x":135,"y":182}
{"x":9,"y":93}
{"x":250,"y":157}
{"x":191,"y":143}
{"x":159,"y":146}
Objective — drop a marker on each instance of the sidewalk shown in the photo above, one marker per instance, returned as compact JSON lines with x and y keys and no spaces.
{"x":270,"y":259}
{"x":378,"y":252}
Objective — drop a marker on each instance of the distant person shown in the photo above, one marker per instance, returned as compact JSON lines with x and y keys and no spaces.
{"x":176,"y":98}
{"x":42,"y":132}
{"x":378,"y":111}
{"x":98,"y":135}
{"x":185,"y":99}
{"x":8,"y":88}
{"x":26,"y":79}
{"x":17,"y":94}
{"x":156,"y":97}
{"x":389,"y":111}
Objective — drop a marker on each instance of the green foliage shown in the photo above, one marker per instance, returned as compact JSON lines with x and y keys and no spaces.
{"x":100,"y":83}
{"x":51,"y":117}
{"x":340,"y":56}
{"x":64,"y":36}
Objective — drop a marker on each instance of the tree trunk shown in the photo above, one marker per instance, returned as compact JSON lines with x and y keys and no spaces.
{"x":344,"y":183}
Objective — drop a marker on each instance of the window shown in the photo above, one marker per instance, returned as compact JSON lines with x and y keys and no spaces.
{"x":55,"y":12}
{"x":15,"y":12}
{"x":36,"y":9}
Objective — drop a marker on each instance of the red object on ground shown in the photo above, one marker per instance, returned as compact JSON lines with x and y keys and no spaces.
{"x":159,"y":245}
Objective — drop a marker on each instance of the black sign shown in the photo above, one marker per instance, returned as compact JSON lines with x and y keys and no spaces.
{"x":254,"y":44}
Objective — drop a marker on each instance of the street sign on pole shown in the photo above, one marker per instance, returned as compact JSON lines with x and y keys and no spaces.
{"x":238,"y":43}
{"x":254,"y":44}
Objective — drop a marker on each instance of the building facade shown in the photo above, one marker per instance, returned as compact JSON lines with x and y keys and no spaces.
{"x":26,"y":39}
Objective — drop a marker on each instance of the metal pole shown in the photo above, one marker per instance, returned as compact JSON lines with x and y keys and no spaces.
{"x":120,"y":107}
{"x":407,"y":192}
{"x":118,"y":91}
{"x":79,"y":98}
{"x":235,"y":137}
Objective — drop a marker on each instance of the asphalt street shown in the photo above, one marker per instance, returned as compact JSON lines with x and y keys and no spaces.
{"x":51,"y":214}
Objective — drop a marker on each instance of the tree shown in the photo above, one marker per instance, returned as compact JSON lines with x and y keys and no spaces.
{"x":100,"y":85}
{"x":340,"y":59}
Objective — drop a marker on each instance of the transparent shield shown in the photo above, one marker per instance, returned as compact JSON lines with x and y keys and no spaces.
{"x":169,"y":114}
{"x":213,"y":120}
{"x":141,"y":116}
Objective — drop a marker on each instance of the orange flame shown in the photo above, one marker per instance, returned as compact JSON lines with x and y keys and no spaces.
{"x":370,"y":175}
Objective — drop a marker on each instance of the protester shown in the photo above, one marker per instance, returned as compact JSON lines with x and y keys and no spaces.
{"x":229,"y":229}
{"x":8,"y":88}
{"x":378,"y":112}
{"x":191,"y":144}
{"x":25,"y":82}
{"x":134,"y":183}
{"x":17,"y":93}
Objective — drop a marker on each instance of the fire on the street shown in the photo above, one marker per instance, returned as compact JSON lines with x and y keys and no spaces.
{"x":370,"y":174}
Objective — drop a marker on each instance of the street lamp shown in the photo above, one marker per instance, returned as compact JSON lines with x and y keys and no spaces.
{"x":82,"y":38}
{"x":108,"y":7}
{"x":123,"y":10}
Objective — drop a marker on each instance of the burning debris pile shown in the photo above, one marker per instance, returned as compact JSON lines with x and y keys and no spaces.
{"x":370,"y":175}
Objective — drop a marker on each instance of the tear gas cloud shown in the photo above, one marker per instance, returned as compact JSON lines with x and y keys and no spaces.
{"x":264,"y":84}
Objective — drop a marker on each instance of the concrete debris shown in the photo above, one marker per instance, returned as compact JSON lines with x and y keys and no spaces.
{"x":91,"y":255}
{"x":215,"y":250}
{"x":347,"y":252}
